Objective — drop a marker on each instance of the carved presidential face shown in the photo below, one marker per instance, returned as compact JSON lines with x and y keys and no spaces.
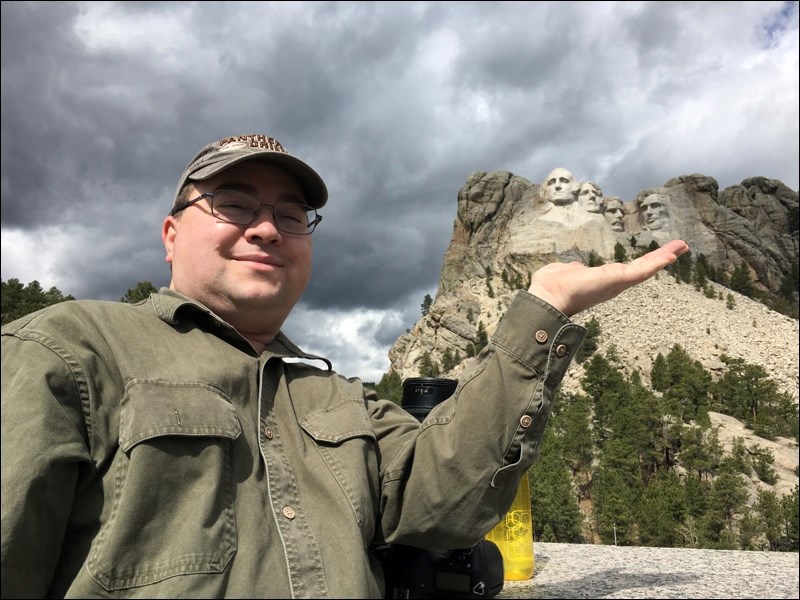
{"x":590,"y":197}
{"x":654,"y":211}
{"x":560,"y":187}
{"x":614,"y":214}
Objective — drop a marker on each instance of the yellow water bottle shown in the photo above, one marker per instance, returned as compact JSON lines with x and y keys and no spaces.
{"x":514,"y":536}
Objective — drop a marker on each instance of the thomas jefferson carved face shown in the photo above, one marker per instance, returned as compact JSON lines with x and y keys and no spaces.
{"x":560,"y":187}
{"x":614,"y":213}
{"x":590,"y":197}
{"x":654,"y":211}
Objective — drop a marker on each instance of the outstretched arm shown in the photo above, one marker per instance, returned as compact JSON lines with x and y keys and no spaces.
{"x":574,"y":287}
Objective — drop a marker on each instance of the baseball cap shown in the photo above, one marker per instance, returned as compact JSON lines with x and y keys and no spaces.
{"x":222,"y":154}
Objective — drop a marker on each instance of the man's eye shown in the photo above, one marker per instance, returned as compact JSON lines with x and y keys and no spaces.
{"x":231,"y":205}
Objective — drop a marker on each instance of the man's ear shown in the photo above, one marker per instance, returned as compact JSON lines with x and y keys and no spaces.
{"x":168,"y":233}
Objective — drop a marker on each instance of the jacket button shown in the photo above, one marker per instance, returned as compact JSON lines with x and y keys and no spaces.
{"x":288,"y":512}
{"x":525,"y":421}
{"x":541,"y":336}
{"x":561,"y":350}
{"x":268,"y":433}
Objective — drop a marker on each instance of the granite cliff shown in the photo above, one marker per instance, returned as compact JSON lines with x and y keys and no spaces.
{"x":507,"y":227}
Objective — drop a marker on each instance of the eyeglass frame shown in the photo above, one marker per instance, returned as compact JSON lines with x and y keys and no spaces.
{"x":312,"y":224}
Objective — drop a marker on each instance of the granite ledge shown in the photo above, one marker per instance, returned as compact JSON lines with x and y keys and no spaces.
{"x":598,"y":571}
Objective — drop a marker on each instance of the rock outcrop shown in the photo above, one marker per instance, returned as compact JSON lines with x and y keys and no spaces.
{"x":507,"y":227}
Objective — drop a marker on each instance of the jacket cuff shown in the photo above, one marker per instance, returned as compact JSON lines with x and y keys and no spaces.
{"x":540,"y":336}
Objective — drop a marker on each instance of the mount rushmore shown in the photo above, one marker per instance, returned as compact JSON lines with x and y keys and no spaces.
{"x":506,"y":227}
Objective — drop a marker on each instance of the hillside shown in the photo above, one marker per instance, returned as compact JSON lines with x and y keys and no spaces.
{"x":506,"y":228}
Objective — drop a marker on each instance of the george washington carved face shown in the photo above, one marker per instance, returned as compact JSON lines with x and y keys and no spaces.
{"x":560,"y":187}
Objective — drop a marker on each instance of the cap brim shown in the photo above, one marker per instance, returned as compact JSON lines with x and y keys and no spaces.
{"x":314,"y":188}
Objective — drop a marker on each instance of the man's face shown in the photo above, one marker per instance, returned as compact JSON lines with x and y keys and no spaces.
{"x":590,"y":198}
{"x":560,"y":187}
{"x":240,"y":271}
{"x":654,"y":211}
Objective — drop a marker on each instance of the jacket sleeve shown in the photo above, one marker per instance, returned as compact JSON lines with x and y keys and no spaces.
{"x":43,"y":446}
{"x":449,"y":481}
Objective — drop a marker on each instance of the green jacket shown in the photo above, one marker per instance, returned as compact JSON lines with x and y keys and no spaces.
{"x":148,"y":451}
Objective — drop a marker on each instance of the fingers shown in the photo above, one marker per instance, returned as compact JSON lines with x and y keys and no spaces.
{"x":649,"y":264}
{"x":574,"y":287}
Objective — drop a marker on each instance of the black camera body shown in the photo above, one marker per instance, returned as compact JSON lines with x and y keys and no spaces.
{"x":475,"y":572}
{"x":410,"y":572}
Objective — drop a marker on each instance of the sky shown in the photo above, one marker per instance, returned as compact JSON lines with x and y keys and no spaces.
{"x":395,"y":104}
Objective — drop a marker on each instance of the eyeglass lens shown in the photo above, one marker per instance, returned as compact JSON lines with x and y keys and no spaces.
{"x":241,"y":208}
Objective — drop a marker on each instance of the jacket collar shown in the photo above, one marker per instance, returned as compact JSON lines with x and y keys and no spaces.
{"x":171,"y":306}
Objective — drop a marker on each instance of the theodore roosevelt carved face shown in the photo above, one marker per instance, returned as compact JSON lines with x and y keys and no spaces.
{"x":614,"y":213}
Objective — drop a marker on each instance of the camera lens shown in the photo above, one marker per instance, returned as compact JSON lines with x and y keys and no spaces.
{"x":421,"y":394}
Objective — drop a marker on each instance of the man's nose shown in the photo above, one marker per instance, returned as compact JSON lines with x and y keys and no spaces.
{"x":264,"y":224}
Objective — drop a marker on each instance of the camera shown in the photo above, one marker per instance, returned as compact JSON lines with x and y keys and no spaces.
{"x":410,"y":572}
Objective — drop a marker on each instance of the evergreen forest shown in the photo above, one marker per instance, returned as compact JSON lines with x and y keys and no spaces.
{"x":628,"y":464}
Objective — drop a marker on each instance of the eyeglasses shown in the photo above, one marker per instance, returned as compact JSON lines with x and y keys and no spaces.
{"x":241,"y":208}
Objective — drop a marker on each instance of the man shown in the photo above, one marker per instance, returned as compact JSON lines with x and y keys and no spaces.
{"x":590,"y":197}
{"x":167,"y":449}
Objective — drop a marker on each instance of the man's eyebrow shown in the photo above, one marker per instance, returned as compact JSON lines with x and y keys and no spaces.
{"x":238,"y":186}
{"x":241,"y":186}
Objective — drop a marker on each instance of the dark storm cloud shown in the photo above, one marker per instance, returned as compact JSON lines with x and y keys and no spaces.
{"x":394,"y":103}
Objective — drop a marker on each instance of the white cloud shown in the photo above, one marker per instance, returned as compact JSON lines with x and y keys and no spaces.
{"x":346,"y":337}
{"x":33,"y":256}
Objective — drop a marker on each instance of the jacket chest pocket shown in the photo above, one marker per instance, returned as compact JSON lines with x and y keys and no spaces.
{"x":172,"y":510}
{"x":345,"y":440}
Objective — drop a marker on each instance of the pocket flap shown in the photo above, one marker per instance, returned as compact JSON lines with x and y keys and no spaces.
{"x":155,"y":408}
{"x":338,"y":422}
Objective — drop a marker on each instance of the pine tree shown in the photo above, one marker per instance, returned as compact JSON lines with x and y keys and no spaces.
{"x":483,"y":338}
{"x":590,"y":342}
{"x":746,"y":392}
{"x":728,"y":501}
{"x":701,"y":451}
{"x":390,"y":387}
{"x":426,"y":304}
{"x":141,"y":292}
{"x":620,"y":254}
{"x":594,"y":259}
{"x":18,"y":300}
{"x":448,"y":362}
{"x":689,"y":389}
{"x":428,"y":367}
{"x":553,"y":502}
{"x":607,"y":391}
{"x":662,"y":511}
{"x":789,"y":517}
{"x":659,"y":377}
{"x":571,"y":421}
{"x":740,"y":280}
{"x":750,"y":530}
{"x":613,"y":506}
